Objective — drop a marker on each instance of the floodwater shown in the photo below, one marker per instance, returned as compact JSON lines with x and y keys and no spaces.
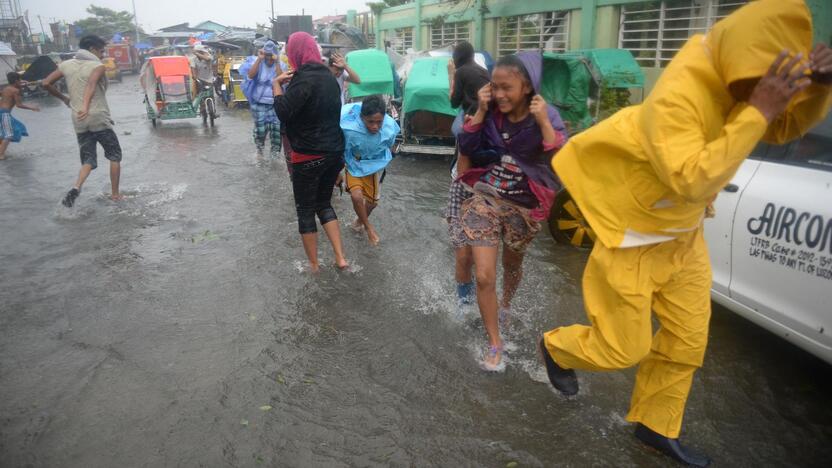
{"x":178,"y":328}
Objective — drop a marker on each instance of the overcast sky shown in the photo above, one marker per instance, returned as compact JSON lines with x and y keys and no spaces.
{"x":155,"y":14}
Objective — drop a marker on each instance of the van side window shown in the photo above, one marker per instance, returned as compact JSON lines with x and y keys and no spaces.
{"x":813,"y":150}
{"x":760,"y":151}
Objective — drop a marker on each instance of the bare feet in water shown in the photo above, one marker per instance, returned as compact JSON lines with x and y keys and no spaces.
{"x":493,"y":359}
{"x":372,"y":235}
{"x":356,"y":225}
{"x":117,"y":197}
{"x":342,"y":264}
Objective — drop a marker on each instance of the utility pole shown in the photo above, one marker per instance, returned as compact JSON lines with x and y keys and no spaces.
{"x":136,"y":22}
{"x":272,"y":10}
{"x":42,"y":37}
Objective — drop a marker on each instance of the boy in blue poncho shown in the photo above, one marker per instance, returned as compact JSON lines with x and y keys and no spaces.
{"x":370,"y":135}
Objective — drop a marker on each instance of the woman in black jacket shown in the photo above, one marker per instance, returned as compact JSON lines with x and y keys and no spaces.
{"x":310,"y":110}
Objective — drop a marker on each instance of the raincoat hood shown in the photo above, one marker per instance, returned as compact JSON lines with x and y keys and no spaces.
{"x":533,"y":61}
{"x":744,"y":44}
{"x":301,"y":49}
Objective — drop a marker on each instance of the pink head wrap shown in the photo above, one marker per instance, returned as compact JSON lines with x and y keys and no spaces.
{"x":301,"y":49}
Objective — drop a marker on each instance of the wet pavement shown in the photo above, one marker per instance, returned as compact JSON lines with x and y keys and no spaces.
{"x":177,"y":328}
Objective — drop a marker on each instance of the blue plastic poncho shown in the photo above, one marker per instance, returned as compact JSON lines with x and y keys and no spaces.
{"x":259,"y":89}
{"x":366,"y":153}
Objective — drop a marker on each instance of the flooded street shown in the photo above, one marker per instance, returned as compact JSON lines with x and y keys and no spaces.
{"x":177,"y":328}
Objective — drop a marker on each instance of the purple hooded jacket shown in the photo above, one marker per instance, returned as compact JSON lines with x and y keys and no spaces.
{"x":484,"y":145}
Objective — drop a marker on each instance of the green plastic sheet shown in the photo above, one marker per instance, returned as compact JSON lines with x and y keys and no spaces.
{"x":427,"y":87}
{"x":376,"y":73}
{"x":616,"y":67}
{"x":566,"y":85}
{"x":570,"y":77}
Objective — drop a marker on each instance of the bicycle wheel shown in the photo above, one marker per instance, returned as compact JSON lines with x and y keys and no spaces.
{"x":211,"y":109}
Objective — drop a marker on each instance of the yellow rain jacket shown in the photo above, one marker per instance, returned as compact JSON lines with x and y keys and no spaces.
{"x":653,"y":168}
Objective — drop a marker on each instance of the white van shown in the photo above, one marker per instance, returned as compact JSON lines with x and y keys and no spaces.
{"x":771,"y":241}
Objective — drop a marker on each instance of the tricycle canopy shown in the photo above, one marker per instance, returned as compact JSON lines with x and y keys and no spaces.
{"x":427,"y":87}
{"x":375,"y":70}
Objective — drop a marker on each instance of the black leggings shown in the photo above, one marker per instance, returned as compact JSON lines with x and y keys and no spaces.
{"x":312,"y":184}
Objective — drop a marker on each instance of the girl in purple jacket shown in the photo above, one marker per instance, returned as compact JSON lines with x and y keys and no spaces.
{"x":517,"y":133}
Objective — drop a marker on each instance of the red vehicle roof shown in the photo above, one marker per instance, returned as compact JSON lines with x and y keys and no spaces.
{"x":170,"y":65}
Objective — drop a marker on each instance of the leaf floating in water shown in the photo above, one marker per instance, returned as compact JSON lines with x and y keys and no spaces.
{"x":244,"y":422}
{"x":308,"y":381}
{"x":205,"y":236}
{"x":259,"y":459}
{"x":511,"y":464}
{"x":265,"y":408}
{"x":281,"y":380}
{"x":252,"y":317}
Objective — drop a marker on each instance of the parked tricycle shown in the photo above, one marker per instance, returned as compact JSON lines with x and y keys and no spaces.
{"x":170,"y":94}
{"x":232,"y":81}
{"x":427,"y":115}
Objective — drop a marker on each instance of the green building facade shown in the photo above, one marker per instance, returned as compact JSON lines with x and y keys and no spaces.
{"x":652,"y":30}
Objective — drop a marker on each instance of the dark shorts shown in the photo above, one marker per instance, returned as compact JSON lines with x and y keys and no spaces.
{"x":87,"y":142}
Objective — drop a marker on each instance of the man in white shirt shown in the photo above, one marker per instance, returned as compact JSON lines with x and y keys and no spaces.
{"x":343,"y":73}
{"x":202,"y":69}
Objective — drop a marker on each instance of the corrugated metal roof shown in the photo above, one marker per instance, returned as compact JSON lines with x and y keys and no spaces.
{"x":168,"y":34}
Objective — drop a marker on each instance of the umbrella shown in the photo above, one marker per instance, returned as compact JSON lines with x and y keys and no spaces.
{"x":40,"y":69}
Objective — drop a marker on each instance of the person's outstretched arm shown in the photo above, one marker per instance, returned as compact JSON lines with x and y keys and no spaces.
{"x":18,"y":101}
{"x":49,"y":85}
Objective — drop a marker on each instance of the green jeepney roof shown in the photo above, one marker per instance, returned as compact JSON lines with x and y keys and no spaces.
{"x":427,"y":87}
{"x":376,"y":73}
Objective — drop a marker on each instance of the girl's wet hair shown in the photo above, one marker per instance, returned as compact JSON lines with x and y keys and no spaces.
{"x":372,"y":105}
{"x":463,"y":53}
{"x":514,"y":62}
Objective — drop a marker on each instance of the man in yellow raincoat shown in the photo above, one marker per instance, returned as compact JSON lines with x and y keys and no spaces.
{"x":644,"y":177}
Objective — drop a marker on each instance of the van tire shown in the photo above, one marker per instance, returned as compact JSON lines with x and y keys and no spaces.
{"x":568,"y":225}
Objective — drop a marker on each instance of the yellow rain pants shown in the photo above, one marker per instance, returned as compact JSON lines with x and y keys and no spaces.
{"x":621,"y":287}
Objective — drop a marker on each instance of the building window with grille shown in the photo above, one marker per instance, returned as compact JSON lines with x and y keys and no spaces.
{"x":449,"y":34}
{"x":655,"y":31}
{"x":400,"y":39}
{"x":540,"y":31}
